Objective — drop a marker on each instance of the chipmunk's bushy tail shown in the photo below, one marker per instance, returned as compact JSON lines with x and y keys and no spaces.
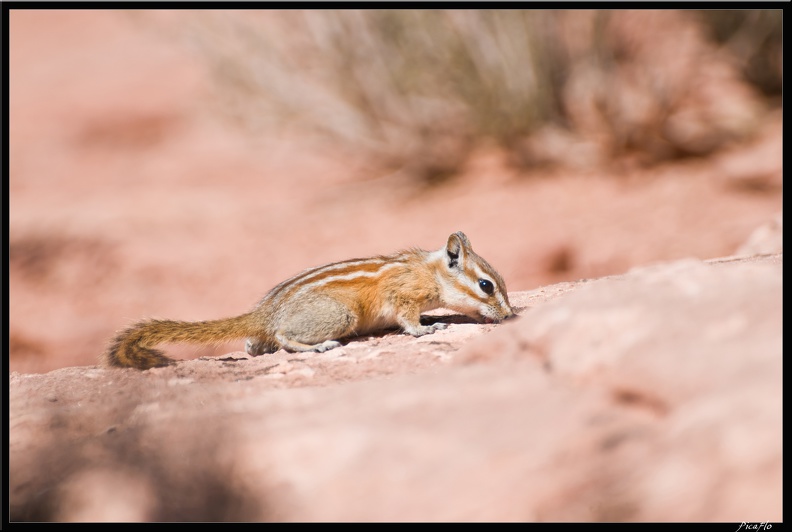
{"x":133,"y":347}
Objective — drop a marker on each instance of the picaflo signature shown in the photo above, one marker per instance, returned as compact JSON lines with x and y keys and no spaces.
{"x":754,"y":526}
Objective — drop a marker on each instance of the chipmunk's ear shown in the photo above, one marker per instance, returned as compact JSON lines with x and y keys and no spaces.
{"x":457,"y":247}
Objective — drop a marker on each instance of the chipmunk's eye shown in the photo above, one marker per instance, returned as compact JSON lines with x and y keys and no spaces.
{"x":486,"y":286}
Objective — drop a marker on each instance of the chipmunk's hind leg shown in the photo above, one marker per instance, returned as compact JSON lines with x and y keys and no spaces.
{"x":315,"y":325}
{"x":256,"y":347}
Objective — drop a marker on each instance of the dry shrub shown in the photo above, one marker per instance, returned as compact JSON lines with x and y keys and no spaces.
{"x":652,"y":87}
{"x":755,"y":40}
{"x":416,"y":90}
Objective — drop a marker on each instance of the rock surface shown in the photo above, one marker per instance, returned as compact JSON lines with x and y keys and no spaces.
{"x":655,"y":395}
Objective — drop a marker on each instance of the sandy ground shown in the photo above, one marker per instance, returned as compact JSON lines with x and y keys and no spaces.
{"x":130,"y":198}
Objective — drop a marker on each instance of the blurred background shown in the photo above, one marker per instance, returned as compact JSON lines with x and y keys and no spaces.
{"x":178,"y":164}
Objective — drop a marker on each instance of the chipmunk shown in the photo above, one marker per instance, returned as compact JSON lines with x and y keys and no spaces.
{"x":314,"y":309}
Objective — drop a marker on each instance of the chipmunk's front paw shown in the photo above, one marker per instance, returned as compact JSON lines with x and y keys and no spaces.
{"x":425,"y":329}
